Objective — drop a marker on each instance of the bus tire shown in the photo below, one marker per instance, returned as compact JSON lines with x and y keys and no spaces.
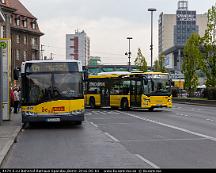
{"x":92,"y":102}
{"x":124,"y":104}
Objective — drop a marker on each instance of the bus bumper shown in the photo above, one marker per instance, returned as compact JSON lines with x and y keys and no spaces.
{"x":53,"y":118}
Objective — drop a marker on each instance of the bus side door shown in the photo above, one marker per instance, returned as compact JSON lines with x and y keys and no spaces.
{"x":105,"y":97}
{"x":136,"y":92}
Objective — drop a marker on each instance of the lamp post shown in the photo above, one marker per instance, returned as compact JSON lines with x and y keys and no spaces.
{"x":151,"y":46}
{"x":129,"y":54}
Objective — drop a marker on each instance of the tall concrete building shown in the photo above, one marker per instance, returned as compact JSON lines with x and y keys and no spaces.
{"x":175,"y":29}
{"x":78,"y":47}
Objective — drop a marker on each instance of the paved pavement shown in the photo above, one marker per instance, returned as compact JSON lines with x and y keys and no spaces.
{"x":8,"y":133}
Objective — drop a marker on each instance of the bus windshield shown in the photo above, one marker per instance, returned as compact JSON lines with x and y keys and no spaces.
{"x":159,"y":85}
{"x":42,"y":87}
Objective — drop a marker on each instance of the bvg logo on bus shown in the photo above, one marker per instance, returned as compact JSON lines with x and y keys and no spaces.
{"x":58,"y":109}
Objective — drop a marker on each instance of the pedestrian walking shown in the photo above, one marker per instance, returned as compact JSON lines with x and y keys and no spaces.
{"x":11,"y":99}
{"x":16,"y":100}
{"x":19,"y":94}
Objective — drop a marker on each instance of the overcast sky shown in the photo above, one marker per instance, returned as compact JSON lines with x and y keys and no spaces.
{"x":106,"y":22}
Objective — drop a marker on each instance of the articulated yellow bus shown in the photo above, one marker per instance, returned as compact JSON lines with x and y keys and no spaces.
{"x":52,"y":91}
{"x":130,"y":90}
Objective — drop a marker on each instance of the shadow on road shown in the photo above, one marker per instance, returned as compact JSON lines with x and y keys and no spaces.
{"x":44,"y":125}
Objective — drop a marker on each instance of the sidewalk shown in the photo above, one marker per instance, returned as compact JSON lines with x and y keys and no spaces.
{"x":195,"y":102}
{"x":8,"y":133}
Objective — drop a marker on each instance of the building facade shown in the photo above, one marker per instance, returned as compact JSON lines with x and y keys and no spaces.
{"x":22,"y":27}
{"x":78,"y":47}
{"x":175,"y":29}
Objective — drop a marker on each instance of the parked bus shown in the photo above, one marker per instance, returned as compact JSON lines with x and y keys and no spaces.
{"x":52,"y":91}
{"x":134,"y":90}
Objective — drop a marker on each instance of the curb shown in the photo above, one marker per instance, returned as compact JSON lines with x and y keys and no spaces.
{"x":197,"y":104}
{"x":8,"y":145}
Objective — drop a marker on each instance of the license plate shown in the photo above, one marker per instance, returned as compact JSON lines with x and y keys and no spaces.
{"x":158,"y":105}
{"x":53,"y":120}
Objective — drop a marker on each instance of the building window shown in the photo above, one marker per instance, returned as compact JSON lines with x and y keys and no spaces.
{"x":10,"y":19}
{"x":18,"y":22}
{"x":25,"y":40}
{"x":33,"y":25}
{"x":34,"y":41}
{"x":18,"y":54}
{"x":3,"y":31}
{"x":33,"y":56}
{"x":17,"y":39}
{"x":24,"y":55}
{"x":25,"y":23}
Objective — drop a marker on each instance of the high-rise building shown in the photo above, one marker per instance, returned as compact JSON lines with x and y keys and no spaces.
{"x":22,"y":27}
{"x":78,"y":47}
{"x":175,"y":29}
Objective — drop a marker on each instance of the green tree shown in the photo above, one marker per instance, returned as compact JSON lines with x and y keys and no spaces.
{"x":191,"y":62}
{"x":157,"y":66}
{"x":208,"y":45}
{"x":161,"y":63}
{"x":140,"y":61}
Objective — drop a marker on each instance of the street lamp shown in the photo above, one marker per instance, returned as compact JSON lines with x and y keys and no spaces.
{"x":151,"y":46}
{"x":129,"y":54}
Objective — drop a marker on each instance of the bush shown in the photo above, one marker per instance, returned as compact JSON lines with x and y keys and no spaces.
{"x":211,"y":93}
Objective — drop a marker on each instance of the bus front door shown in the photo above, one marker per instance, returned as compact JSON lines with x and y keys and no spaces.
{"x":105,"y":97}
{"x":135,"y":93}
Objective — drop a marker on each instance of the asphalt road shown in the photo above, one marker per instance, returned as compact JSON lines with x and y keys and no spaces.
{"x":181,"y":137}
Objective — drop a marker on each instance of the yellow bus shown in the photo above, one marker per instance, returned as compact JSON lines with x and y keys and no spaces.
{"x":52,"y":91}
{"x":130,"y":90}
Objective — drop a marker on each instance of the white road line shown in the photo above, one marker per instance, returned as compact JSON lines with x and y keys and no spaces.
{"x":173,"y":127}
{"x":94,"y":124}
{"x":147,"y":161}
{"x":112,"y":137}
{"x":209,"y":120}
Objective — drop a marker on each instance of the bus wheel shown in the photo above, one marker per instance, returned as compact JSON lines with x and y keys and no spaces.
{"x":124,"y":105}
{"x":92,"y":103}
{"x":151,"y":109}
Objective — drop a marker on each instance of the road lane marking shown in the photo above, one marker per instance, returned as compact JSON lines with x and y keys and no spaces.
{"x":173,"y":127}
{"x":94,"y":124}
{"x":210,"y":120}
{"x":147,"y":161}
{"x":112,"y":137}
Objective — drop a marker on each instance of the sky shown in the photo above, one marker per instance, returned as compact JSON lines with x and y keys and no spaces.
{"x":107,"y":22}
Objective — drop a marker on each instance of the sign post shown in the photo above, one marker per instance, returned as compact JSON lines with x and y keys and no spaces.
{"x":1,"y":90}
{"x":5,"y":45}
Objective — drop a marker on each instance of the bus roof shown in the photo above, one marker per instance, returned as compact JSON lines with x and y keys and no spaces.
{"x":152,"y":72}
{"x":105,"y":76}
{"x":50,"y":61}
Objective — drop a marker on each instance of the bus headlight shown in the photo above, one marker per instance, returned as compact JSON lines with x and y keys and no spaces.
{"x":77,"y":112}
{"x":30,"y":114}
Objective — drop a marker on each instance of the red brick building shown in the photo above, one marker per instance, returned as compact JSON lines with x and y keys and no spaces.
{"x":22,"y":27}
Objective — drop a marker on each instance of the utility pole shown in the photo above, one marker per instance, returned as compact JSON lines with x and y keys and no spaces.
{"x":51,"y":56}
{"x":129,"y":55}
{"x":151,"y":46}
{"x":42,"y":50}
